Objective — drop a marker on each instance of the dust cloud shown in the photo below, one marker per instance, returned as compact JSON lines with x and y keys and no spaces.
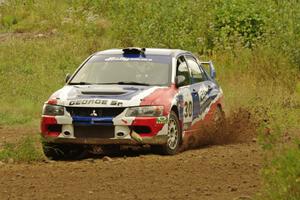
{"x":238,"y":126}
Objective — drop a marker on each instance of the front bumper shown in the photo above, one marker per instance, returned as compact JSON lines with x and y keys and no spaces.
{"x":103,"y":130}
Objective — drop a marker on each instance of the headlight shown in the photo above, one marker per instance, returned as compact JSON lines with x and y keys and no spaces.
{"x":145,"y":111}
{"x":53,"y":110}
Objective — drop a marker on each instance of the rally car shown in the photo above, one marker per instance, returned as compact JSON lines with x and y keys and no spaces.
{"x":131,"y":96}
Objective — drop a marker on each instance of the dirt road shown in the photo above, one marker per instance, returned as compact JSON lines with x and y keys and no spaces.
{"x":215,"y":172}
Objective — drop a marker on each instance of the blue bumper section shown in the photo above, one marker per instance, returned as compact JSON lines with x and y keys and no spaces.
{"x":103,"y":121}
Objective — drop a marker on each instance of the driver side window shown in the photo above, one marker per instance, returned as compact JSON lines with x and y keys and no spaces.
{"x":183,"y":70}
{"x":197,"y":73}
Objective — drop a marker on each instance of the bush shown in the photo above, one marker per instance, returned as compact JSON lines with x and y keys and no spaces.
{"x":238,"y":23}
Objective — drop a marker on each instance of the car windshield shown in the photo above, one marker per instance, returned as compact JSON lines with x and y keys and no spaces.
{"x":119,"y":69}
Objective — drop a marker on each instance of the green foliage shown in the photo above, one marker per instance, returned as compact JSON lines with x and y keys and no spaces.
{"x":283,"y":176}
{"x":8,"y":21}
{"x":283,"y":25}
{"x":158,"y":23}
{"x":199,"y":26}
{"x":25,"y":150}
{"x":238,"y":23}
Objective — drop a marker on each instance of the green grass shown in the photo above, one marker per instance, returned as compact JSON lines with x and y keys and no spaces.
{"x":254,"y":45}
{"x":282,"y":175}
{"x":25,"y":150}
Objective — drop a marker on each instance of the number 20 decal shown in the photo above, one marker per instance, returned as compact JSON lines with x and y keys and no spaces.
{"x":188,"y":108}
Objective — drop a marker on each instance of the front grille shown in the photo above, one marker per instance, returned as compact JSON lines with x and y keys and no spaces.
{"x":94,"y":131}
{"x":95,"y":112}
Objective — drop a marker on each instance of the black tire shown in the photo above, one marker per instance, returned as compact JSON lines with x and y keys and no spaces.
{"x":55,"y":151}
{"x":112,"y":150}
{"x":174,"y":140}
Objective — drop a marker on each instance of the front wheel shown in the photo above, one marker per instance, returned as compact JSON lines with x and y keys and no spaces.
{"x":174,"y":137}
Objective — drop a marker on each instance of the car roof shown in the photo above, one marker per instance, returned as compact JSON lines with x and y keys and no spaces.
{"x":148,"y":51}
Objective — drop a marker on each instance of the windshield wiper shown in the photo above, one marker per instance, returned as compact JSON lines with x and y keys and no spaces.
{"x":118,"y":83}
{"x":132,"y":83}
{"x":105,"y":83}
{"x":80,"y":83}
{"x":124,"y":83}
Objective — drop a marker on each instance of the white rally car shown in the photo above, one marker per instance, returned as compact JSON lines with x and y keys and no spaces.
{"x":131,"y":96}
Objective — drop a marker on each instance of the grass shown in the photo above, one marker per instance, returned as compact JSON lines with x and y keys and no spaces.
{"x":26,"y":150}
{"x":254,"y":45}
{"x":282,"y":175}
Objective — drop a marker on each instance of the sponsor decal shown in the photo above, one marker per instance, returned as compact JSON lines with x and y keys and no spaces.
{"x":188,"y":109}
{"x":162,"y":120}
{"x":95,"y":101}
{"x":127,"y":59}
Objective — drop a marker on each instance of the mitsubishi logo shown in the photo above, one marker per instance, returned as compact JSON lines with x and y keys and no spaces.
{"x":94,"y":114}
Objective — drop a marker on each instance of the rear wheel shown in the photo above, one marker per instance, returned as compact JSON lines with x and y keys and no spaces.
{"x":55,"y":151}
{"x":219,"y":116}
{"x":174,"y":137}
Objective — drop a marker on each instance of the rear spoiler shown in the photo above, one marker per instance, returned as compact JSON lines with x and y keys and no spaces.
{"x":212,"y":71}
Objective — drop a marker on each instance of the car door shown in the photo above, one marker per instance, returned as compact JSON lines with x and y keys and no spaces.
{"x":200,"y":88}
{"x":213,"y":89}
{"x":184,"y":97}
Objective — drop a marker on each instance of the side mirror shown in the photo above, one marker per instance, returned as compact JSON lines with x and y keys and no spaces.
{"x":212,"y":71}
{"x":68,"y":76}
{"x":179,"y":80}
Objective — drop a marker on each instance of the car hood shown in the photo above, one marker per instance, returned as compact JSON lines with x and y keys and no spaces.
{"x":103,"y":95}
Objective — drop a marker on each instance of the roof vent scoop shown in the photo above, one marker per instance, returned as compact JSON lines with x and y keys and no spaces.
{"x":134,"y":50}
